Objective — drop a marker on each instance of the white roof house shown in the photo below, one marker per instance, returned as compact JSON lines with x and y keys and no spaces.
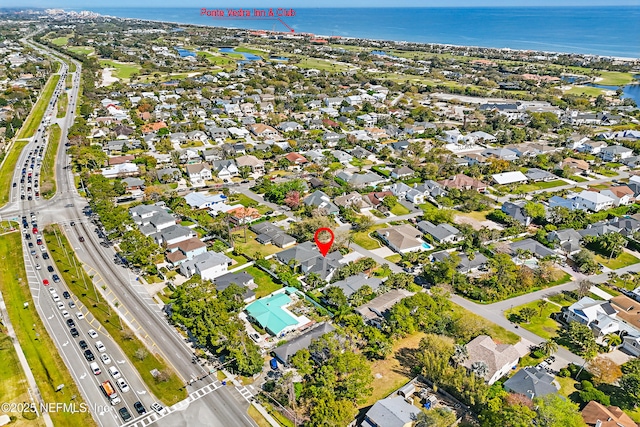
{"x":595,"y":202}
{"x":509,"y":177}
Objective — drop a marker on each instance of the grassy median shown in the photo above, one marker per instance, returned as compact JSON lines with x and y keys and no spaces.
{"x":63,"y":101}
{"x":48,"y":178}
{"x":42,"y":355}
{"x":30,"y":126}
{"x":169,"y":389}
{"x":8,"y":167}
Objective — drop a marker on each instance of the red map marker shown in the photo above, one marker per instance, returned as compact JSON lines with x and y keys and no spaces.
{"x":324,"y":246}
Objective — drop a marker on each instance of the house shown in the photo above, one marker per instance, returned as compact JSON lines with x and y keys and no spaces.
{"x":498,"y":358}
{"x":360,"y":180}
{"x":342,"y":157}
{"x":133,"y":184}
{"x":353,"y":200}
{"x":400,"y":189}
{"x":415,"y":196}
{"x":151,"y":219}
{"x":622,"y":195}
{"x":169,"y":175}
{"x":376,"y":198}
{"x":500,"y":153}
{"x":242,"y":215}
{"x":391,"y":412}
{"x":516,"y":211}
{"x":374,"y":311}
{"x":568,"y":240}
{"x":256,"y":165}
{"x":575,"y":164}
{"x":627,"y":226}
{"x":204,"y":200}
{"x":536,"y":248}
{"x":467,"y":264}
{"x":615,"y":153}
{"x":598,"y":229}
{"x":240,"y":278}
{"x":505,"y":178}
{"x":401,"y":172}
{"x":296,"y":158}
{"x":464,"y":182}
{"x":537,"y":175}
{"x":361,"y":153}
{"x":208,"y":265}
{"x":532,"y":382}
{"x":441,"y":233}
{"x":561,"y":202}
{"x":597,"y":415}
{"x":308,"y":257}
{"x":352,"y":284}
{"x":286,"y":351}
{"x":267,"y":233}
{"x":321,"y":201}
{"x":290,"y":126}
{"x":592,"y":147}
{"x":121,"y":170}
{"x":263,"y":131}
{"x":174,"y":234}
{"x":271,"y":313}
{"x":225,"y":169}
{"x":403,"y":238}
{"x":430,"y":188}
{"x":590,"y":200}
{"x":600,"y":316}
{"x":218,"y":134}
{"x":199,"y":173}
{"x":185,"y":250}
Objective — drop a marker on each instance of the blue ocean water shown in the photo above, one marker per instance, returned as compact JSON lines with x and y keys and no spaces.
{"x":608,"y":31}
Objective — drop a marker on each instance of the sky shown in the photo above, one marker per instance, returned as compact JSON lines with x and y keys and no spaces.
{"x":311,"y":3}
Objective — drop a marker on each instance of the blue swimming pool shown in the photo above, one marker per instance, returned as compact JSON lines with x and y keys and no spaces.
{"x":426,"y":246}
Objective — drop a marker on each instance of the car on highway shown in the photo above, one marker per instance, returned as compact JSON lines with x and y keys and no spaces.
{"x":81,"y":239}
{"x":30,"y":245}
{"x":124,"y":414}
{"x":88,"y":354}
{"x":72,"y":304}
{"x":45,"y":256}
{"x":38,"y":267}
{"x":83,"y":344}
{"x":61,"y":305}
{"x":105,"y":358}
{"x":72,"y":223}
{"x":74,"y":332}
{"x":65,"y":313}
{"x":50,"y":269}
{"x":56,"y":278}
{"x":95,"y":368}
{"x":113,"y":371}
{"x":101,"y":348}
{"x":45,"y":282}
{"x":70,"y":322}
{"x":33,"y":251}
{"x":139,"y":407}
{"x":122,"y":385}
{"x":39,"y":242}
{"x":92,"y":333}
{"x":56,"y":298}
{"x":79,"y":315}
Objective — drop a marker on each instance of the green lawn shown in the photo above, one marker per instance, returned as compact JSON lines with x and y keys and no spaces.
{"x":44,"y":360}
{"x":107,"y":319}
{"x":585,"y":90}
{"x":320,"y":64}
{"x":253,"y":51}
{"x":218,"y":59}
{"x":399,"y":209}
{"x":13,"y":383}
{"x":30,"y":126}
{"x":541,"y":325}
{"x":567,"y":385}
{"x":122,"y":71}
{"x":496,"y":332}
{"x":60,"y":41}
{"x":48,"y":179}
{"x":623,"y":260}
{"x":8,"y":167}
{"x":615,"y":78}
{"x":577,"y":178}
{"x":265,"y":282}
{"x":251,"y":247}
{"x":81,"y":50}
{"x":394,"y":258}
{"x":244,"y":200}
{"x":63,"y":101}
{"x":239,"y":259}
{"x":364,"y":239}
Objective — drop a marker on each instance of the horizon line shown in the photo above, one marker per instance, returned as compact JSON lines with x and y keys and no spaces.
{"x":343,"y":7}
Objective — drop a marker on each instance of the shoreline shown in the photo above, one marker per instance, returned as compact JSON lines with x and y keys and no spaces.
{"x":396,"y":42}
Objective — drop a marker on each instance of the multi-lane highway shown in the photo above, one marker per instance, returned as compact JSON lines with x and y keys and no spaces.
{"x":214,"y":404}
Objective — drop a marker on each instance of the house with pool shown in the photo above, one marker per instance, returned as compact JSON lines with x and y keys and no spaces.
{"x":403,"y":238}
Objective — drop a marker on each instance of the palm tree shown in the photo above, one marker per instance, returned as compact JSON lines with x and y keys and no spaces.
{"x":480,"y":368}
{"x":542,"y":304}
{"x":613,"y":340}
{"x":549,"y":347}
{"x":460,"y":353}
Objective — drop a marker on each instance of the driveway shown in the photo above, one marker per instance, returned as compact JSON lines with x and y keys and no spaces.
{"x":383,"y":252}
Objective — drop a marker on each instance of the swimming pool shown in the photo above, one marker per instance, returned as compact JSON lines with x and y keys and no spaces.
{"x":426,"y":246}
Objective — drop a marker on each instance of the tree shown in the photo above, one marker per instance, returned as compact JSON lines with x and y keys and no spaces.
{"x":507,"y":416}
{"x":535,"y":210}
{"x":613,"y":340}
{"x":588,"y":393}
{"x":631,"y":367}
{"x":390,"y":201}
{"x":292,"y":199}
{"x":479,"y":368}
{"x":244,"y":171}
{"x":630,"y":387}
{"x":581,"y":336}
{"x":555,"y":411}
{"x":584,"y":287}
{"x":438,"y":417}
{"x":460,"y":354}
{"x":604,"y":370}
{"x":586,"y":261}
{"x":542,"y":304}
{"x":549,"y":347}
{"x":526,"y":314}
{"x":335,"y":297}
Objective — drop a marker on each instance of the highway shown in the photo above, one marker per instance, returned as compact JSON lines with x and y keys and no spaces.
{"x":217,"y":405}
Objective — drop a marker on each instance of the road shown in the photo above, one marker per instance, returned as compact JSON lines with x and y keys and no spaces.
{"x":224,"y":406}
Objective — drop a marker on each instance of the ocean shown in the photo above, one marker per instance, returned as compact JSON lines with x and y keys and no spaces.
{"x":606,"y":31}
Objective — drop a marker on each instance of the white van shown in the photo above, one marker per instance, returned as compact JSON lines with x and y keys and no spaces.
{"x":95,"y":368}
{"x":114,"y":372}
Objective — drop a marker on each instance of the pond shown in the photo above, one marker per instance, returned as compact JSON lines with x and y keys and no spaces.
{"x":184,"y":52}
{"x":247,"y":56}
{"x":628,"y":91}
{"x":279,"y":58}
